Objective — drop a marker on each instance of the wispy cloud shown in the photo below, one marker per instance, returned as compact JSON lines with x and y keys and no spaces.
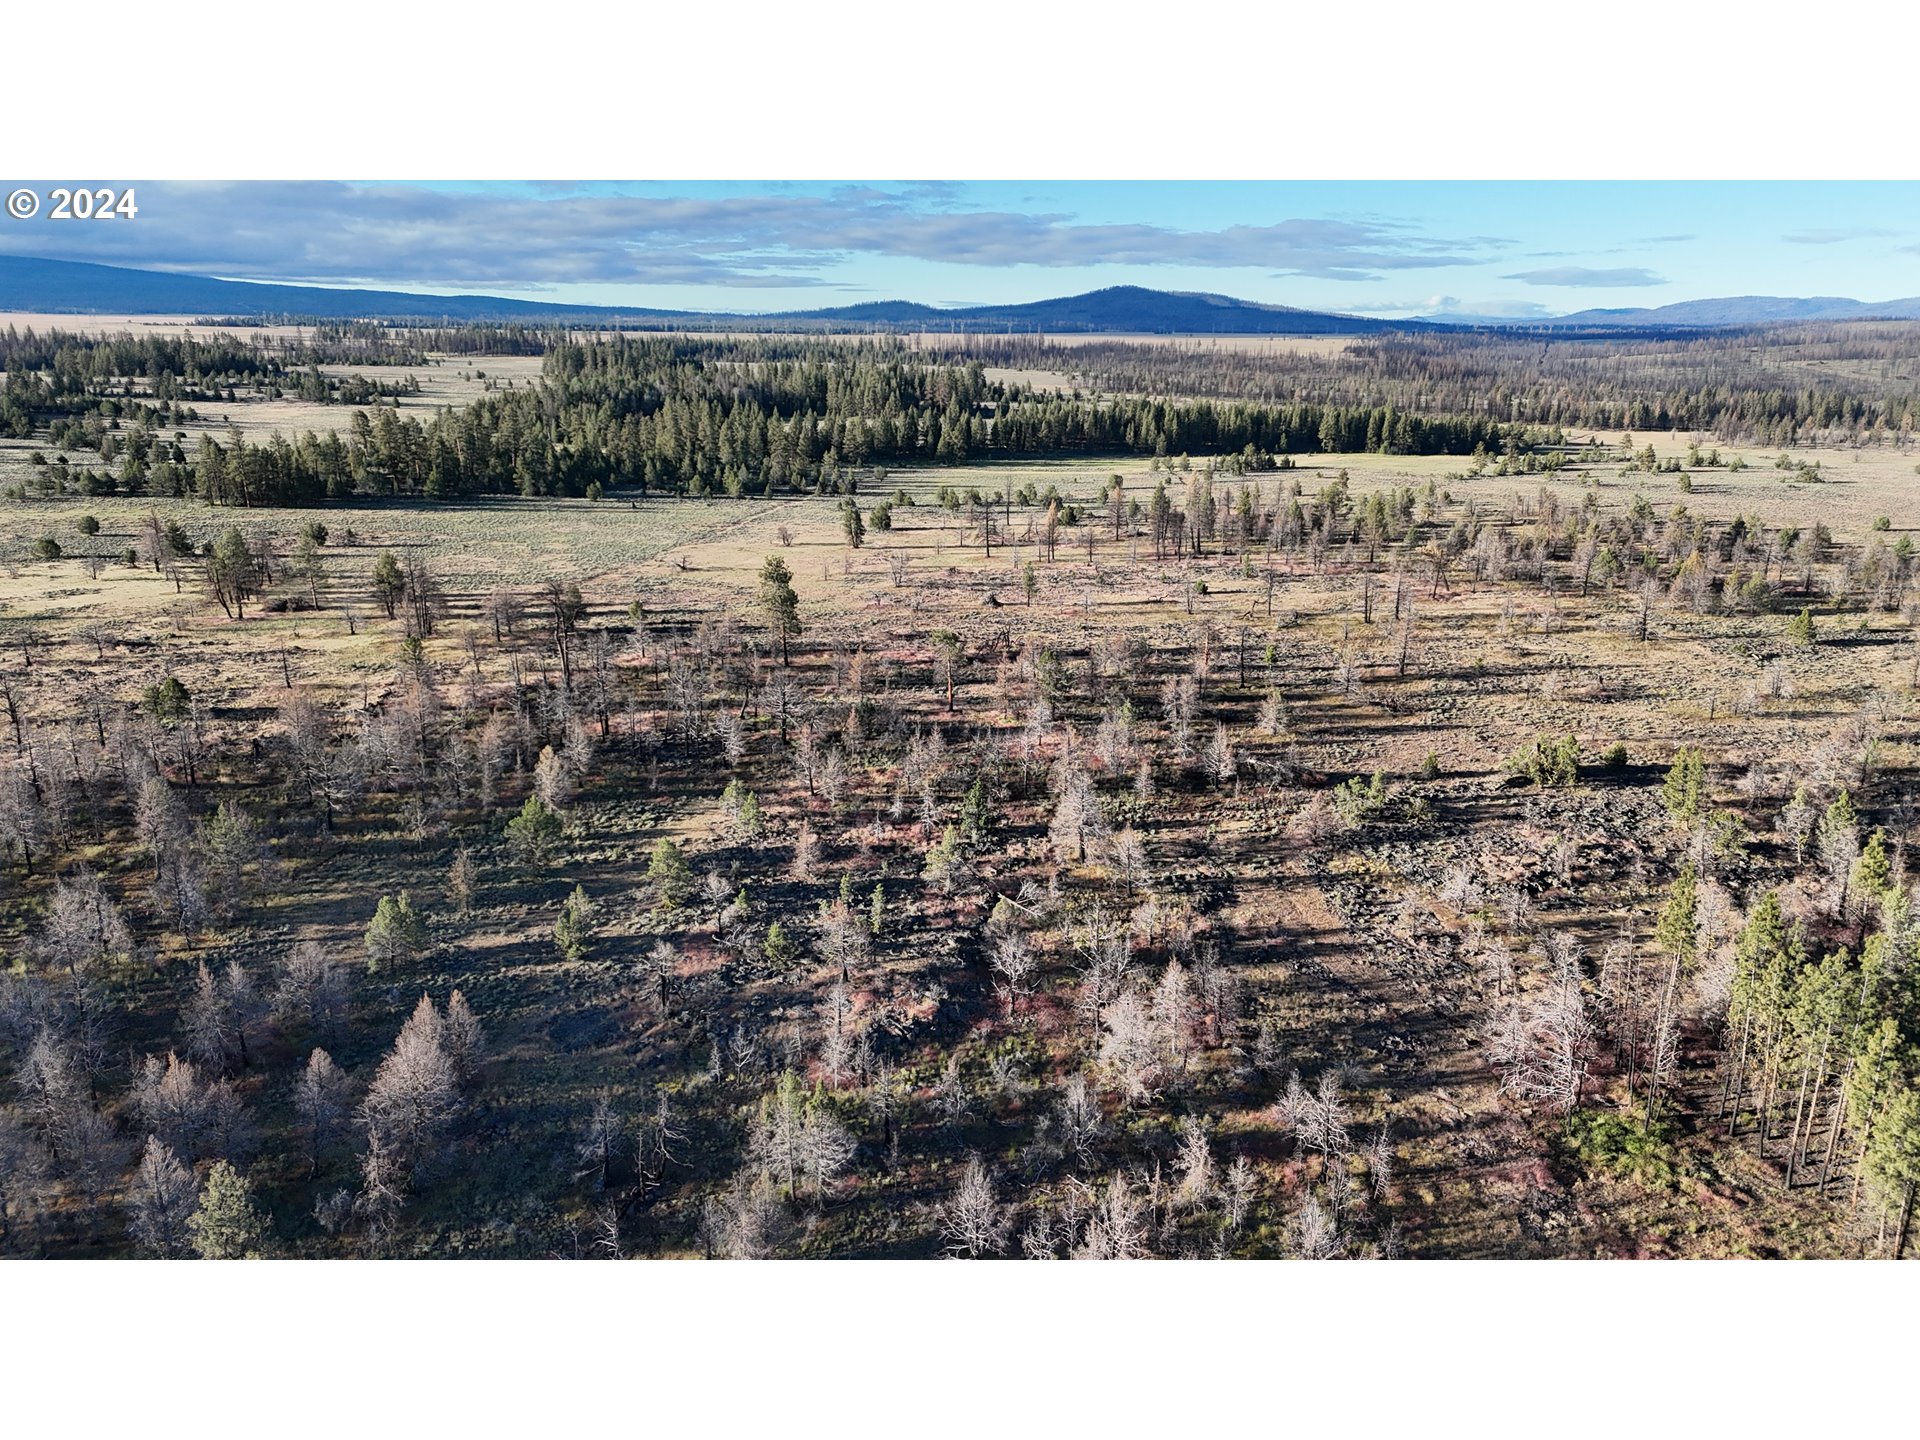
{"x":1453,"y":306}
{"x":1836,"y":236}
{"x":338,"y":233}
{"x":1626,"y":277}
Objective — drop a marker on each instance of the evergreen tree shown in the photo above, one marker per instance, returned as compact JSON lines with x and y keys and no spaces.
{"x":1674,"y":931}
{"x":1873,"y":872}
{"x":778,"y":947}
{"x":396,"y":935}
{"x":781,"y":604}
{"x":668,"y":873}
{"x":1800,"y":630}
{"x":573,"y":931}
{"x":533,"y":832}
{"x":227,"y":1226}
{"x":389,"y":582}
{"x":1684,"y":789}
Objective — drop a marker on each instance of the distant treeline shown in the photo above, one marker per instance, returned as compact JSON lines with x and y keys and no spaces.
{"x":1774,"y":386}
{"x":738,"y":416}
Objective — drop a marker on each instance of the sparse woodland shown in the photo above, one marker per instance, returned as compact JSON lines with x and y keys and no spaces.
{"x":1198,"y":863}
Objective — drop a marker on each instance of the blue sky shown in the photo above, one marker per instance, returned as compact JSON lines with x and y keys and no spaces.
{"x":1372,"y":247}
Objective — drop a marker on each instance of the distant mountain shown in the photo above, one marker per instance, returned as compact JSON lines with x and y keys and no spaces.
{"x":1736,"y":310}
{"x":76,"y":288}
{"x":1129,"y":309}
{"x":72,"y":287}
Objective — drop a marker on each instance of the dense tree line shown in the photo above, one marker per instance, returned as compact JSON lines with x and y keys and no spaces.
{"x":709,"y":416}
{"x":1772,"y":386}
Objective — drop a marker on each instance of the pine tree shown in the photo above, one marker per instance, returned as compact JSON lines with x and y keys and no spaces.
{"x":1873,"y":872}
{"x":227,"y":1226}
{"x":573,"y":931}
{"x":778,"y":947}
{"x":396,"y":935}
{"x":1684,"y":789}
{"x":533,"y":833}
{"x":778,"y":599}
{"x":389,"y":582}
{"x":976,"y":813}
{"x":1800,"y":630}
{"x":1674,"y":931}
{"x":668,"y":873}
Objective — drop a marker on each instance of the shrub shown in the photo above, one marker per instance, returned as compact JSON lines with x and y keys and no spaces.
{"x":1549,"y":762}
{"x":1614,"y":757}
{"x":1358,"y":799}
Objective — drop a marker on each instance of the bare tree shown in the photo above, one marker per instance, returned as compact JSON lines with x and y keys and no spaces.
{"x":1117,"y":1228}
{"x":320,"y":1102}
{"x":597,"y":1147}
{"x":83,"y":926}
{"x":311,"y":990}
{"x":973,"y":1221}
{"x":1543,"y":1045}
{"x":1315,"y":1231}
{"x":24,"y":1167}
{"x":1379,"y":1154}
{"x":1195,"y":1162}
{"x":1078,"y":1120}
{"x":1238,"y":1191}
{"x":414,"y":1095}
{"x":198,"y":1117}
{"x":162,"y":1199}
{"x":1013,"y":961}
{"x":462,"y":1037}
{"x":746,"y":1221}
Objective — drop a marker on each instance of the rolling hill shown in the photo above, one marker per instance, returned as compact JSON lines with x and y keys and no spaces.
{"x":76,"y":288}
{"x":71,"y":287}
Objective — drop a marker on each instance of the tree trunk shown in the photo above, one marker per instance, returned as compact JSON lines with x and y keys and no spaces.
{"x":1799,"y":1109}
{"x":1736,"y":1078}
